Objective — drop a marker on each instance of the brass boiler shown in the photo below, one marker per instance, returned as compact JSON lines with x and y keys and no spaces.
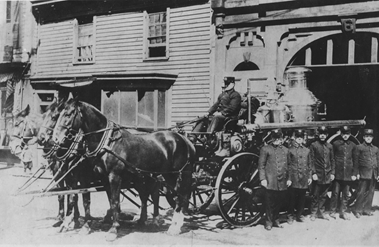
{"x":301,"y":102}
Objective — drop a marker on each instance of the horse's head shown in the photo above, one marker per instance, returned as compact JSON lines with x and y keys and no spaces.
{"x":68,"y":122}
{"x":49,"y":121}
{"x":23,"y":131}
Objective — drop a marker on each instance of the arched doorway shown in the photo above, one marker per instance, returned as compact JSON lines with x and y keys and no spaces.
{"x":345,"y":75}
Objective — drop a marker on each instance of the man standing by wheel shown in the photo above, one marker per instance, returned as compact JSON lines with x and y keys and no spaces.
{"x":300,"y":174}
{"x":273,"y":174}
{"x":323,"y":170}
{"x":366,"y":158}
{"x":343,"y":155}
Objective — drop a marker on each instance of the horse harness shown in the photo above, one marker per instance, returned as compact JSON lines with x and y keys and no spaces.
{"x":24,"y":139}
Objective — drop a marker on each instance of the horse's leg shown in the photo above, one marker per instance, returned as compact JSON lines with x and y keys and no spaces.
{"x":72,"y":214}
{"x":115,"y":186}
{"x":108,"y":216}
{"x":86,"y":228}
{"x":183,"y":185}
{"x":155,"y":198}
{"x":143,"y":191}
{"x":60,"y":216}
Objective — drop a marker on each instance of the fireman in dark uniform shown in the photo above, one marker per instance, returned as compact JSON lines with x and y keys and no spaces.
{"x":300,"y":174}
{"x":273,"y":174}
{"x":227,"y":107}
{"x":343,"y":155}
{"x":366,"y":158}
{"x":228,"y":104}
{"x":323,"y":170}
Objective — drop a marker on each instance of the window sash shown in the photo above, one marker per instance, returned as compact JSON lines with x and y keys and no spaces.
{"x":124,"y":108}
{"x":84,"y":42}
{"x":156,"y":34}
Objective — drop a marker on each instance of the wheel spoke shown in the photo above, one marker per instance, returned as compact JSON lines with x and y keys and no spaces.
{"x":233,"y":197}
{"x":234,"y":203}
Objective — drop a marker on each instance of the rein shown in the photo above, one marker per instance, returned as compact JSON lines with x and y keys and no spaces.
{"x":73,"y":147}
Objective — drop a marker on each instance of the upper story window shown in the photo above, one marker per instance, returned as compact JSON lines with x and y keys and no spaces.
{"x":84,"y":41}
{"x":156,"y":35}
{"x":9,"y":11}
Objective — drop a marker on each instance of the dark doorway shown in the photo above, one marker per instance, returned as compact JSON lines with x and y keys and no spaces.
{"x":350,"y":92}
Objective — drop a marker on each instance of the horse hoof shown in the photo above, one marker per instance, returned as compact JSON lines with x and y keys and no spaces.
{"x":85,"y":230}
{"x":111,"y":236}
{"x":77,"y":225}
{"x":58,"y":224}
{"x":173,"y":231}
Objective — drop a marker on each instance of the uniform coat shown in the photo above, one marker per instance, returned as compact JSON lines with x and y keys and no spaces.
{"x":322,"y":160}
{"x":273,"y":167}
{"x":299,"y":166}
{"x":343,"y":155}
{"x":228,"y":103}
{"x":366,"y":158}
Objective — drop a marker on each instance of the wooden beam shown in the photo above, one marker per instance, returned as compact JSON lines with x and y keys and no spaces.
{"x":329,"y":51}
{"x":351,"y":51}
{"x":374,"y":49}
{"x":308,"y":57}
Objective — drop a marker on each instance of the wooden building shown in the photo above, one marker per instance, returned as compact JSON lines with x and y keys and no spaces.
{"x":143,"y":63}
{"x":338,"y":40}
{"x":16,"y":34}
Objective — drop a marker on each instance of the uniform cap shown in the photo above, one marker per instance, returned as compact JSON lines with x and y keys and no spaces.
{"x":276,"y":134}
{"x":368,"y":132}
{"x":229,"y":79}
{"x":299,"y":133}
{"x":345,"y":130}
{"x":322,"y":130}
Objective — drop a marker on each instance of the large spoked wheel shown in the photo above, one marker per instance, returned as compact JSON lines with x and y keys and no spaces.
{"x":239,"y":195}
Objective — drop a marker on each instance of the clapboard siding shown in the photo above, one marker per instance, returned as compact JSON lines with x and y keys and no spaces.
{"x":119,"y":47}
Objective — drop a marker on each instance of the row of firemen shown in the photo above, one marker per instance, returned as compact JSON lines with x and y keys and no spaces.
{"x":289,"y":171}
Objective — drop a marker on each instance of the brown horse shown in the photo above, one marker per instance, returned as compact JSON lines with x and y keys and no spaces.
{"x":66,"y":157}
{"x":130,"y":159}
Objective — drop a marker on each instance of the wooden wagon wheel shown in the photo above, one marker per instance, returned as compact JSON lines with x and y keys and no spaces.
{"x":239,"y":195}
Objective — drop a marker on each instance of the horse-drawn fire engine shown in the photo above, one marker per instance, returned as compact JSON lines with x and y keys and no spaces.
{"x":231,"y":182}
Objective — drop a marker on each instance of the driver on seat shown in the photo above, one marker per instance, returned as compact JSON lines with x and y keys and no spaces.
{"x":227,"y":107}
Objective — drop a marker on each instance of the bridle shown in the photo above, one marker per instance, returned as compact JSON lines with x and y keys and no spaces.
{"x":77,"y":136}
{"x":73,"y":136}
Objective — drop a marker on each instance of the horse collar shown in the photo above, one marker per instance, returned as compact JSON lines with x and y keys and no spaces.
{"x":104,"y":142}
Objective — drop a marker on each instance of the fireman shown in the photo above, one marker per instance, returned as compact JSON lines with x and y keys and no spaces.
{"x":273,"y":174}
{"x":323,"y":170}
{"x":227,"y":107}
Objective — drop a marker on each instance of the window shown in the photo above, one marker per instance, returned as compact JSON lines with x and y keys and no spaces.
{"x":142,"y":108}
{"x":156,"y":35}
{"x":84,"y":40}
{"x":9,"y":12}
{"x":44,"y":98}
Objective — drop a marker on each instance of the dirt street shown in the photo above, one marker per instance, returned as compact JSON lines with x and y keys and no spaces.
{"x":28,"y":221}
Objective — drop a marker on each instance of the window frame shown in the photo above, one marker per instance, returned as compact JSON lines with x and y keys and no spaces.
{"x":8,"y":12}
{"x":76,"y":40}
{"x":146,"y":37}
{"x":156,"y":107}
